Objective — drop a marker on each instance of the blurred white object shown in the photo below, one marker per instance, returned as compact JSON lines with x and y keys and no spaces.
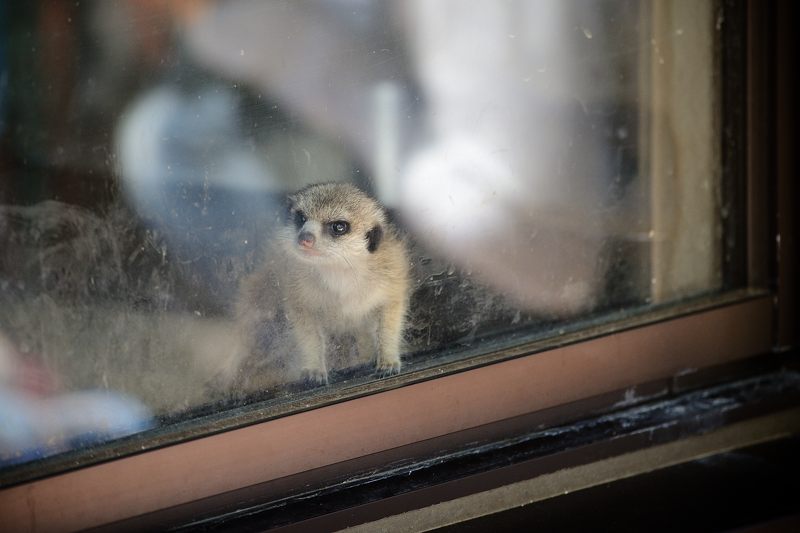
{"x":33,"y":424}
{"x":32,"y":427}
{"x":172,"y":137}
{"x":509,"y":187}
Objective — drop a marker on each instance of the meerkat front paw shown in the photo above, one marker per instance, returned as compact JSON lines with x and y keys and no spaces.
{"x":315,"y":377}
{"x":387,"y":367}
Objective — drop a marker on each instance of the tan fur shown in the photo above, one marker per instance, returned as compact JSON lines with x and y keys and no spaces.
{"x":302,"y":297}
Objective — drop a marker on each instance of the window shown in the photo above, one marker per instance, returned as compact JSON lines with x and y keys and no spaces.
{"x":565,"y":175}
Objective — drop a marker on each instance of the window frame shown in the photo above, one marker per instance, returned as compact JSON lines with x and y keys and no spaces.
{"x":308,"y":441}
{"x":412,"y":410}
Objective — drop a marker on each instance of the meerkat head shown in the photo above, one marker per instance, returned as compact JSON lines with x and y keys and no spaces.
{"x":333,"y":223}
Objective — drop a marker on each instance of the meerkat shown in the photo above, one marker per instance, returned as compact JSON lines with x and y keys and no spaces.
{"x":335,"y":267}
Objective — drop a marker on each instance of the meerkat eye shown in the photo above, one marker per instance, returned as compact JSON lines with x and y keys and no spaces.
{"x":339,"y":228}
{"x":299,"y":219}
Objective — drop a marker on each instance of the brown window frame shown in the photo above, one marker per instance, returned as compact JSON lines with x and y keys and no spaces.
{"x":426,"y":407}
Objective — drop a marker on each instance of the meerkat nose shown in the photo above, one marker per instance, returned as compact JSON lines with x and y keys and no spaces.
{"x":306,"y":239}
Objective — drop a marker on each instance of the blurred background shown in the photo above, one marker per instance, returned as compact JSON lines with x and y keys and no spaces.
{"x":551,"y":162}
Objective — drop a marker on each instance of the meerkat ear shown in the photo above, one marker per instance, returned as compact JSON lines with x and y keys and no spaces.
{"x":374,"y":237}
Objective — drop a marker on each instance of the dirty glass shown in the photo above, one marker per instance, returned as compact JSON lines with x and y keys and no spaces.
{"x":548,"y":164}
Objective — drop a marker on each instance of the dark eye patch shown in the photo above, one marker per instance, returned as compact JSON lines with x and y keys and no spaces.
{"x":299,"y":219}
{"x":374,"y":237}
{"x":339,"y":227}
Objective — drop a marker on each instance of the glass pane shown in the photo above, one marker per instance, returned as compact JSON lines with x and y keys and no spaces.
{"x":542,"y":165}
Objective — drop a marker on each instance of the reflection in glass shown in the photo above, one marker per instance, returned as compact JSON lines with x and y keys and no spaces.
{"x":547,"y":162}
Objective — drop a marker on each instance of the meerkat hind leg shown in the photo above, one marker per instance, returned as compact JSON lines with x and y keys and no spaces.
{"x":311,"y":346}
{"x":389,"y":340}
